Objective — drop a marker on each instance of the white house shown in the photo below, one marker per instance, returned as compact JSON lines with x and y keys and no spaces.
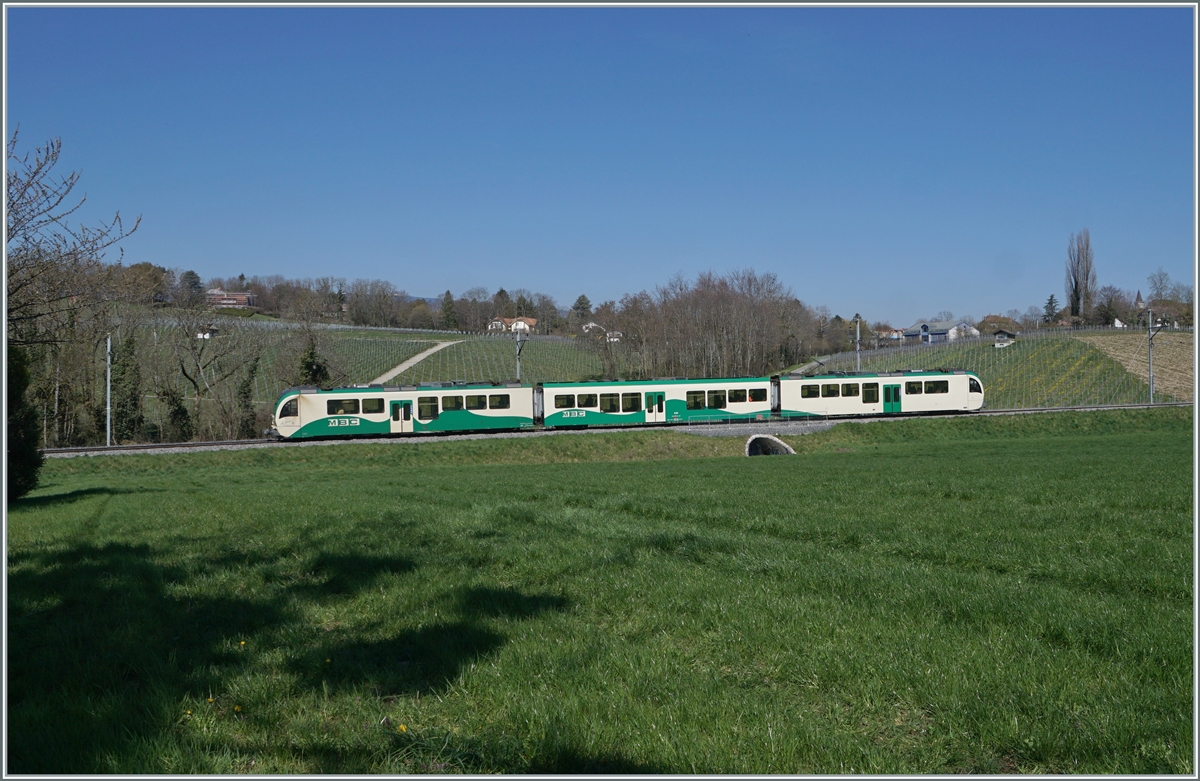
{"x":513,"y":324}
{"x":941,"y":331}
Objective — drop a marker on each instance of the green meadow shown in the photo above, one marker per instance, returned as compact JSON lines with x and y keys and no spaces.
{"x":985,"y":595}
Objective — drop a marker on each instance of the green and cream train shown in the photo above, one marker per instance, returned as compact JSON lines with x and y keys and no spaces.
{"x":373,"y":410}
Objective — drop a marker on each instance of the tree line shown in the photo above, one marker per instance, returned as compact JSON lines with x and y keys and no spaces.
{"x":1088,"y":304}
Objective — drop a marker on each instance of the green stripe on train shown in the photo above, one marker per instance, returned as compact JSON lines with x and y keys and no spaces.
{"x":455,"y":420}
{"x":341,"y":426}
{"x":580,"y":417}
{"x":465,"y":420}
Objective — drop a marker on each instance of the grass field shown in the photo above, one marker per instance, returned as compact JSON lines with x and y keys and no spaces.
{"x":919,"y":596}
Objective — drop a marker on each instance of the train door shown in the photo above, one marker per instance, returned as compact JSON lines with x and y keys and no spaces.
{"x":656,"y":408}
{"x":402,"y":417}
{"x":891,"y":398}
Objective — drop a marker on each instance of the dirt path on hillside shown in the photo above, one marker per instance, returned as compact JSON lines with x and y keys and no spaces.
{"x":413,"y":361}
{"x":1174,"y":364}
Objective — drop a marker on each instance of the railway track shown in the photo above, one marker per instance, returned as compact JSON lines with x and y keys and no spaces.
{"x":735,"y":428}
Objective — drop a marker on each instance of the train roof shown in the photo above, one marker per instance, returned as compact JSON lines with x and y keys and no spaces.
{"x":652,"y":381}
{"x":868,"y":375}
{"x":393,"y":388}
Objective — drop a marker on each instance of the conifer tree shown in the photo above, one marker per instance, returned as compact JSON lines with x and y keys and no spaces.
{"x":313,"y":370}
{"x":449,"y":316}
{"x":24,"y":459}
{"x":126,"y":392}
{"x":245,"y":403}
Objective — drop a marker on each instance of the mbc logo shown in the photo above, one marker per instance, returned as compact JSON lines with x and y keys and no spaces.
{"x":335,"y":422}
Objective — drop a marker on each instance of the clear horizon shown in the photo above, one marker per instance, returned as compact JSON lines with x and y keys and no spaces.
{"x":896,"y":162}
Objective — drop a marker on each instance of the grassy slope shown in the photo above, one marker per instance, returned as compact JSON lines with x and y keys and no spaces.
{"x":1036,"y":371}
{"x":494,"y":359}
{"x":921,"y":596}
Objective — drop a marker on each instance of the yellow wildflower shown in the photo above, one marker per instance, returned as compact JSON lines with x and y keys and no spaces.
{"x":401,"y":728}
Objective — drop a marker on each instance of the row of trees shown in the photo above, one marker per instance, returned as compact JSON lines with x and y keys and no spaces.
{"x":737,"y":324}
{"x":373,"y":302}
{"x":1089,"y":304}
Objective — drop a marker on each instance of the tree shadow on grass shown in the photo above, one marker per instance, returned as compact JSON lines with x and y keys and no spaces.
{"x":485,"y":602}
{"x":347,"y":575}
{"x":570,"y":760}
{"x":99,"y":653}
{"x":68,"y":497}
{"x":426,"y":659}
{"x":106,"y":641}
{"x":420,"y":661}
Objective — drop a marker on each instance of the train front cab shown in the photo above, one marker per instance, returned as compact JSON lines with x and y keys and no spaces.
{"x":287,"y":414}
{"x":890,"y":393}
{"x":932,"y":392}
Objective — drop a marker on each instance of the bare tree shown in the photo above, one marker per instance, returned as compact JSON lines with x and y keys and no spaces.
{"x":1031,"y":317}
{"x":1113,"y":304}
{"x":210,"y":363}
{"x":1081,"y":275}
{"x":54,"y":268}
{"x":373,"y":302}
{"x":474,"y":309}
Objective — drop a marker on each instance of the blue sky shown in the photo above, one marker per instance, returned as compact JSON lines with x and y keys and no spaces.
{"x":890,"y":161}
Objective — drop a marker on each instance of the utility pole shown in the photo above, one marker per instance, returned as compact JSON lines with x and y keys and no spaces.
{"x":1150,"y":334}
{"x":521,"y":339}
{"x":108,"y":392}
{"x":857,"y":344}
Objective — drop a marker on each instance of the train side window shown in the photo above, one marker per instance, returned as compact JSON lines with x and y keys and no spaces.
{"x":610,"y":402}
{"x":737,"y":396}
{"x":451,"y":402}
{"x":975,"y":387}
{"x":810,"y":391}
{"x":341,"y":407}
{"x":427,"y":407}
{"x":937,"y":386}
{"x":695,"y":399}
{"x":586,"y":400}
{"x":631,"y":402}
{"x":716,"y":399}
{"x":291,"y":408}
{"x":564,"y":401}
{"x":498,"y":401}
{"x":850,"y":389}
{"x":870,"y":393}
{"x":372,"y":406}
{"x":829,"y":391}
{"x":758,"y":394}
{"x":912,"y":388}
{"x":476,"y":402}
